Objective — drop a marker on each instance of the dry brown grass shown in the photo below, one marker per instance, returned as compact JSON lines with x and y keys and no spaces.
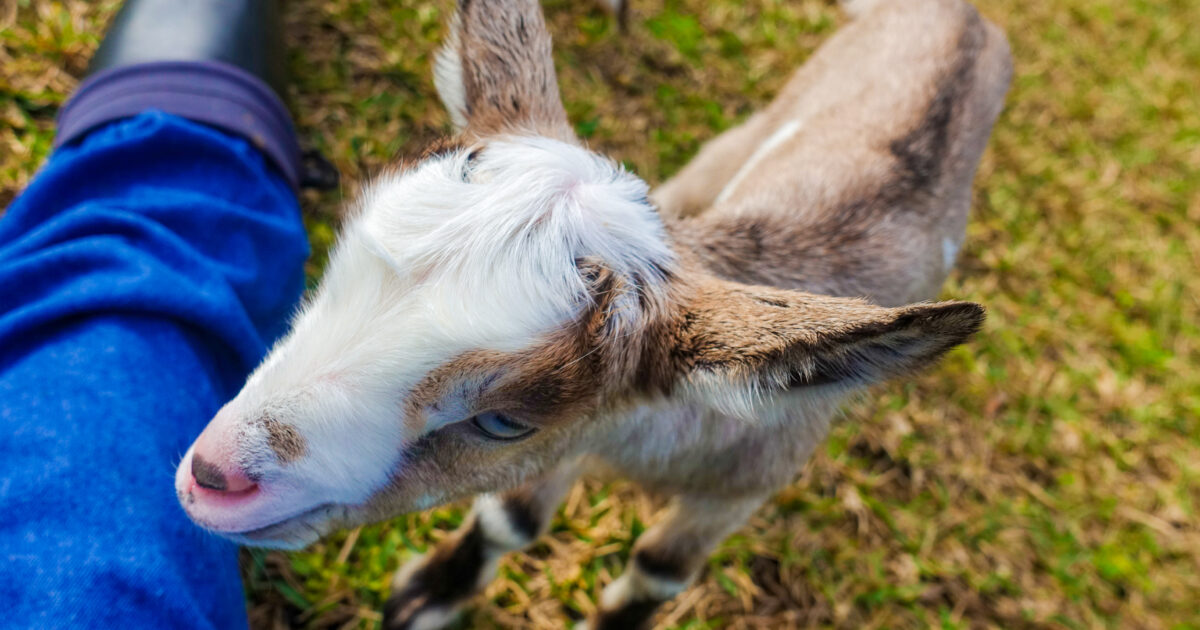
{"x":1046,"y":475}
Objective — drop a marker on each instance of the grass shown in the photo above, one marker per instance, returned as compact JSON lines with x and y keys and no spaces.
{"x":1047,"y":475}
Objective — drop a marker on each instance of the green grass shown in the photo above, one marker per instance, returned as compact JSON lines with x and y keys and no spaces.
{"x":1045,"y":475}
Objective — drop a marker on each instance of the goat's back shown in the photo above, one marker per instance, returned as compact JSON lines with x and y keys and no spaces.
{"x":855,"y":183}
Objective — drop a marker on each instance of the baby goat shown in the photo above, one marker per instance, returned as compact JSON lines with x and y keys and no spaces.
{"x":512,"y":310}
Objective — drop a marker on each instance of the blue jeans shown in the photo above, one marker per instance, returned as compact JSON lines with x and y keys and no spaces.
{"x":143,"y":274}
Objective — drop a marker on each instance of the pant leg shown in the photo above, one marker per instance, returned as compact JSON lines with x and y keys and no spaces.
{"x":142,"y":275}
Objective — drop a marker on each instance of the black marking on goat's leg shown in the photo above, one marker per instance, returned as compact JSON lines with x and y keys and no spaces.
{"x":523,"y":519}
{"x":655,"y":575}
{"x":665,"y":563}
{"x":428,"y":591}
{"x":667,"y":556}
{"x":527,"y":513}
{"x":444,"y":579}
{"x":634,"y":615}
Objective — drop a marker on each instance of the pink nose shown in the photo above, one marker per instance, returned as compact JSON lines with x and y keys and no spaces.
{"x":210,"y":473}
{"x":211,"y":477}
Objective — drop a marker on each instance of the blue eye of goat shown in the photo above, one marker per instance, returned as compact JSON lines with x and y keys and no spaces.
{"x":500,"y":427}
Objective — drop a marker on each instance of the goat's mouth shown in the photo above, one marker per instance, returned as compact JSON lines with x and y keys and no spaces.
{"x":292,"y":532}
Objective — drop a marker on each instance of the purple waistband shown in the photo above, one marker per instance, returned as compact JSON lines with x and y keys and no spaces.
{"x":210,"y":92}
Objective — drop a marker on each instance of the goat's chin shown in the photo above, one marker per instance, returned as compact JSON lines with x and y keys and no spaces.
{"x":293,"y":541}
{"x":291,"y":534}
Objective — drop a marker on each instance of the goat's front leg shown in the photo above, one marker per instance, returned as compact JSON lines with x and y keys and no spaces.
{"x":428,"y":591}
{"x":668,"y":556}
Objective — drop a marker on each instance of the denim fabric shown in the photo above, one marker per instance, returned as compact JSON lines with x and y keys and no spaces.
{"x":212,"y":92}
{"x":142,"y":276}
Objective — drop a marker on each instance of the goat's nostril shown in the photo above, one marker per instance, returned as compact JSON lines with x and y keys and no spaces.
{"x":211,"y":477}
{"x":207,"y":474}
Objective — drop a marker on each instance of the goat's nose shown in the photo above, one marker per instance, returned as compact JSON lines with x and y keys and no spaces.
{"x":209,"y":476}
{"x":213,"y":457}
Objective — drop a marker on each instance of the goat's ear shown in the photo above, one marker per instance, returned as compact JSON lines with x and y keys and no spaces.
{"x":495,"y":73}
{"x":738,"y":345}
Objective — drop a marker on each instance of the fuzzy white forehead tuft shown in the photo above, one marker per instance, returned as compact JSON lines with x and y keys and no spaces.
{"x":496,"y":238}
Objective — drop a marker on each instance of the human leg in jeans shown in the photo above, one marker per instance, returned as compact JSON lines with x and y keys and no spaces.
{"x":143,"y":274}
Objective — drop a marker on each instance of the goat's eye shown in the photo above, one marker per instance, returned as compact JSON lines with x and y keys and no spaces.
{"x":500,"y":427}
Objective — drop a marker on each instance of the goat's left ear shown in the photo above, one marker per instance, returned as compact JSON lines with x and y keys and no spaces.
{"x":495,"y":72}
{"x":737,"y":344}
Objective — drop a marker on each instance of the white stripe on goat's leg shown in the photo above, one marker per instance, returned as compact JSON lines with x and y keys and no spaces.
{"x":667,"y":557}
{"x":428,"y":591}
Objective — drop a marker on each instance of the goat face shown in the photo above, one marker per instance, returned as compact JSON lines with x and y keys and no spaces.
{"x":452,"y":340}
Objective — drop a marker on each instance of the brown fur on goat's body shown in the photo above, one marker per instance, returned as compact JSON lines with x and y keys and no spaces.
{"x":875,"y":179}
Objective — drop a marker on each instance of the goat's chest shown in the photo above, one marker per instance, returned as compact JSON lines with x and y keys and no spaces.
{"x":685,"y":450}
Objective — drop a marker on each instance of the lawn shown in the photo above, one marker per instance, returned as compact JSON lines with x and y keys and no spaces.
{"x":1046,"y":475}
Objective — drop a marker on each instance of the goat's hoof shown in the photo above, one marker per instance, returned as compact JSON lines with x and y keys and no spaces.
{"x":406,"y":613}
{"x":414,"y":609}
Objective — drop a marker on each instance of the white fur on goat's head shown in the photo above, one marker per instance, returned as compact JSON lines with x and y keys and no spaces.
{"x":459,"y":276}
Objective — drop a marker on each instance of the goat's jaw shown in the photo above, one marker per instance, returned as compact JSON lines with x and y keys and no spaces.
{"x":293,"y":533}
